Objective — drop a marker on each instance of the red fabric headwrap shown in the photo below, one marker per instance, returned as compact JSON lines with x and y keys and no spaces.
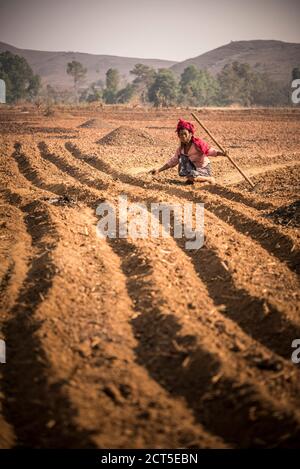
{"x":200,"y":144}
{"x":182,"y":124}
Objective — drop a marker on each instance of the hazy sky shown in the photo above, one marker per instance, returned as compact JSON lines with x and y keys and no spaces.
{"x":165,"y":29}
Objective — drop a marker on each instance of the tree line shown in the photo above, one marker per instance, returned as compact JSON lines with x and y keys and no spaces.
{"x":237,"y":83}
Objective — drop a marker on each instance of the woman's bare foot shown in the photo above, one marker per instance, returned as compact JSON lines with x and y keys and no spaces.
{"x":212,"y":180}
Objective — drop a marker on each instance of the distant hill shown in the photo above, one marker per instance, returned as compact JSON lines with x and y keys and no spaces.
{"x":277,"y":58}
{"x":51,"y":66}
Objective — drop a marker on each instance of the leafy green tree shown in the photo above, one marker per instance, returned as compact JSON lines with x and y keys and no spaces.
{"x":198,"y":87}
{"x":21,"y":82}
{"x":239,"y":83}
{"x":78,"y":72}
{"x":143,"y":74}
{"x":188,"y":76}
{"x":267,"y":92}
{"x":112,"y":85}
{"x":232,"y":86}
{"x":125,"y":94}
{"x":109,"y":96}
{"x":164,"y":89}
{"x":112,"y":79}
{"x":144,"y":78}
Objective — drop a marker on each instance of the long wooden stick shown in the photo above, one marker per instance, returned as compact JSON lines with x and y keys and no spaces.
{"x":224,"y":151}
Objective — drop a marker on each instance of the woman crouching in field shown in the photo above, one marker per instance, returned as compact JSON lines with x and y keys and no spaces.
{"x":191,"y":156}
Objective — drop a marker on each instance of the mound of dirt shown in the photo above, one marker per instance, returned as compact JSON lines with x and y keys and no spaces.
{"x":128,"y":136}
{"x":90,"y":124}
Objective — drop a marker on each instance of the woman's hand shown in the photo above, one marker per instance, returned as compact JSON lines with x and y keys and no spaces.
{"x":158,"y":170}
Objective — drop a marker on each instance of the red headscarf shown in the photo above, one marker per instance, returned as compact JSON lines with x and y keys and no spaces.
{"x":200,"y":144}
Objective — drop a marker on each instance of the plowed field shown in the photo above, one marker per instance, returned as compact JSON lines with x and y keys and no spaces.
{"x":140,"y":343}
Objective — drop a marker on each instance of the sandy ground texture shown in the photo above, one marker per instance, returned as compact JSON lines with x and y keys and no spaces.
{"x":140,"y":343}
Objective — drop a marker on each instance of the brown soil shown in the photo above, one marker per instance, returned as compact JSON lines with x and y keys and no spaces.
{"x":287,"y":215}
{"x":128,"y":136}
{"x":140,"y":343}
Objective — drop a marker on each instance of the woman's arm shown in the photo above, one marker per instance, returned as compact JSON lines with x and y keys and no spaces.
{"x":173,"y":161}
{"x":213,"y":152}
{"x":162,"y":168}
